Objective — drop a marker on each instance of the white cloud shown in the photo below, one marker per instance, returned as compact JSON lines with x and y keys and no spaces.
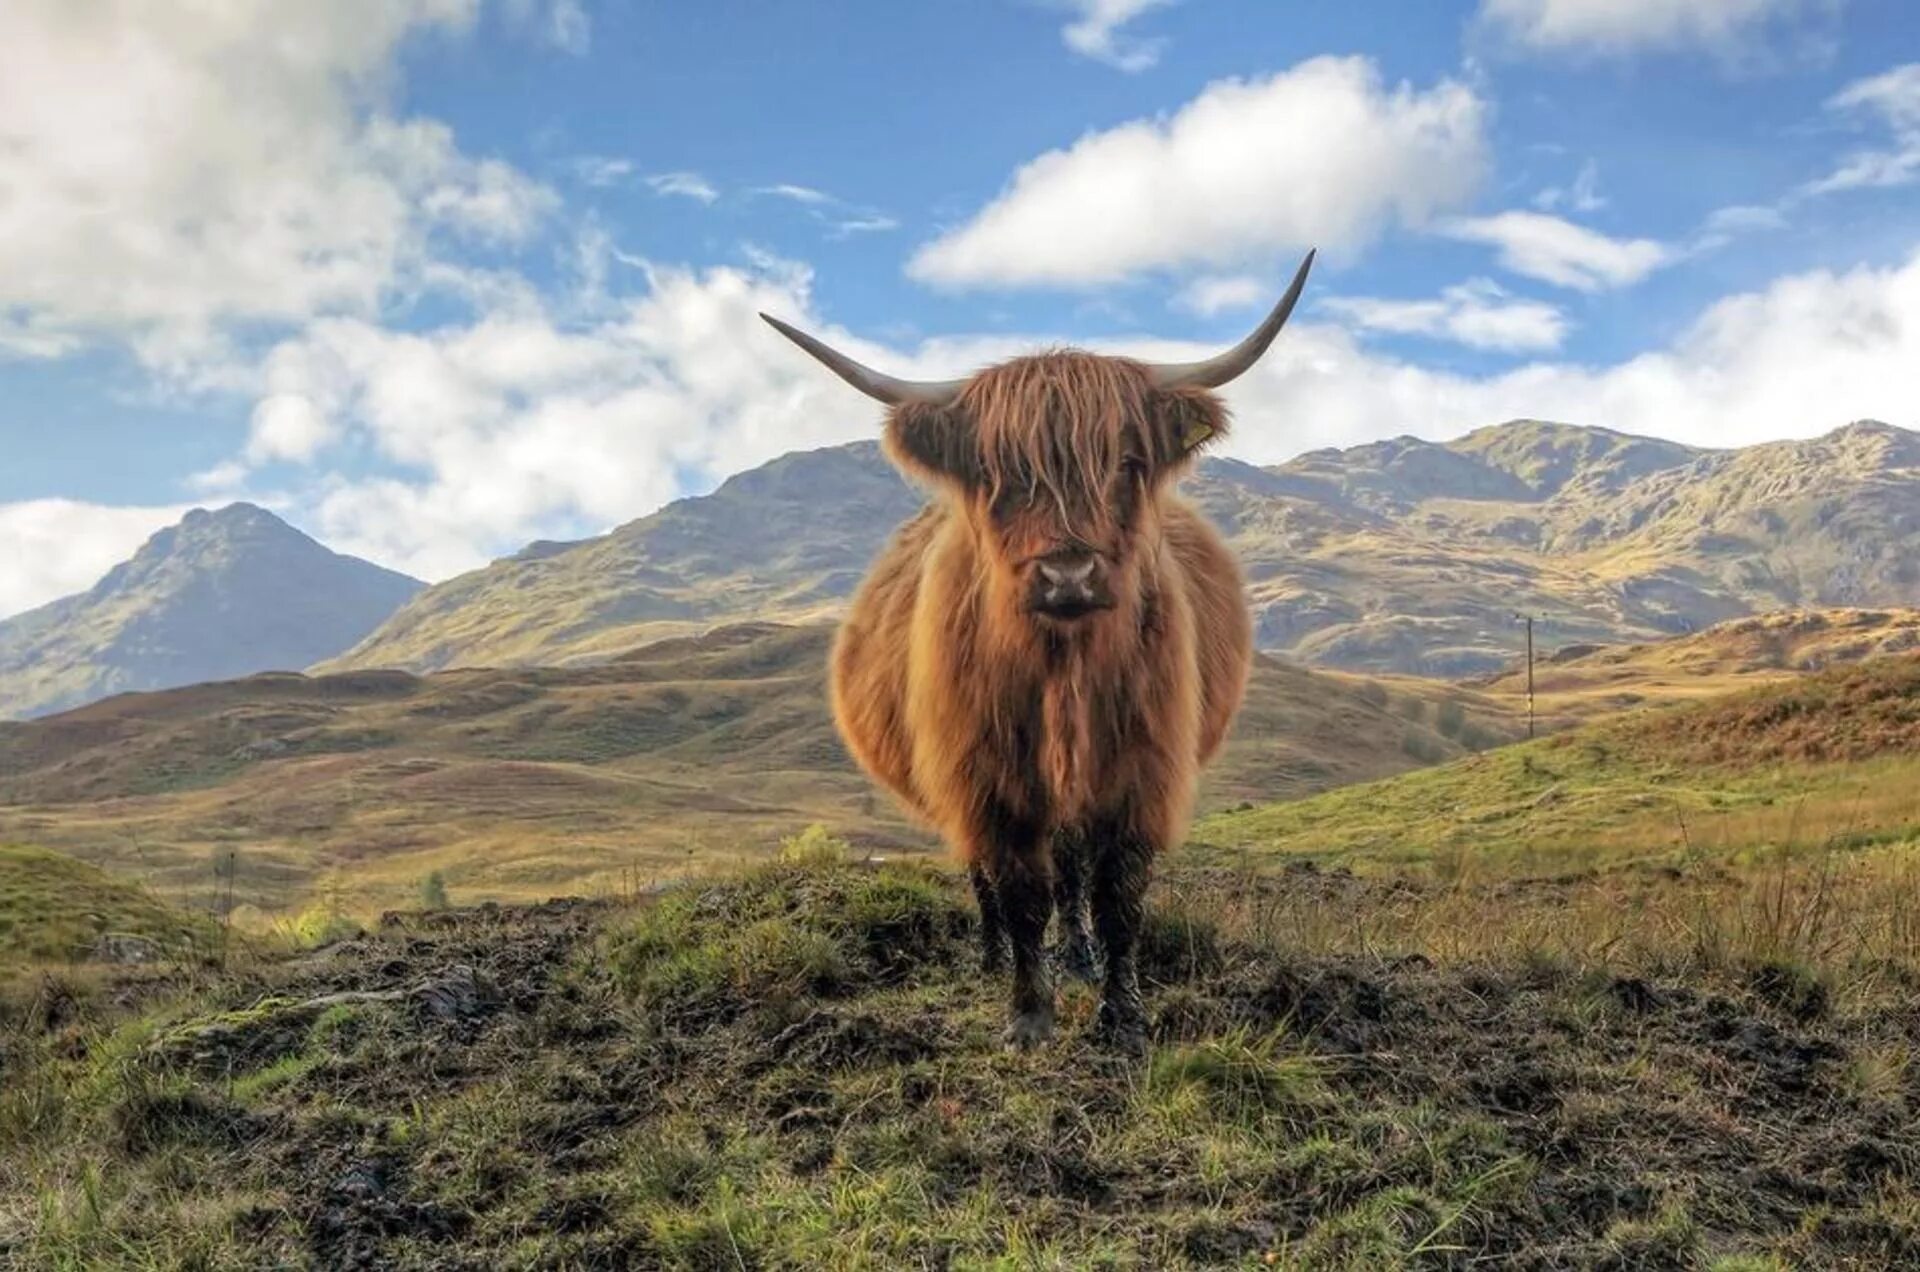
{"x":798,"y":193}
{"x":1744,"y":218}
{"x":601,"y":171}
{"x":166,"y":172}
{"x":517,"y":426}
{"x":1235,"y":175}
{"x":56,"y":547}
{"x":286,"y":426}
{"x":842,"y":219}
{"x":1625,"y":26}
{"x":1558,"y":251}
{"x":1893,"y":100}
{"x":1095,"y":32}
{"x":520,"y":425}
{"x":1803,"y":356}
{"x":1217,"y":293}
{"x":1478,"y":313}
{"x":1582,"y":196}
{"x":875,"y":223}
{"x":690,"y":185}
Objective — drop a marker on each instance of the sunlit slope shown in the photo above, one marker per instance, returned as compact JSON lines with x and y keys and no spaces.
{"x":530,"y":781}
{"x":1830,"y":759}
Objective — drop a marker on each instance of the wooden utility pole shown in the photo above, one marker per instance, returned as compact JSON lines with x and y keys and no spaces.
{"x":1528,"y":620}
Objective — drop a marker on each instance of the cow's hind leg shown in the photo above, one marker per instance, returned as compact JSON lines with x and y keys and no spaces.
{"x":1075,"y":953}
{"x":993,"y":927}
{"x":1122,"y":863}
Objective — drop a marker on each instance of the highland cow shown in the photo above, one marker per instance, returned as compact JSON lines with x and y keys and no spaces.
{"x":1042,"y":660}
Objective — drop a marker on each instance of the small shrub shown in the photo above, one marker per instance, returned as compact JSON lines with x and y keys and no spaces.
{"x":814,"y":846}
{"x":433,"y":892}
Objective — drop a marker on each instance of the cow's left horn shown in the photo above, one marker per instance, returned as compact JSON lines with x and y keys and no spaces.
{"x":1219,"y":369}
{"x":875,"y":384}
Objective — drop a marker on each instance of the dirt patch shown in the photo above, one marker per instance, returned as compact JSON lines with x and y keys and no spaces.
{"x":510,"y":1098}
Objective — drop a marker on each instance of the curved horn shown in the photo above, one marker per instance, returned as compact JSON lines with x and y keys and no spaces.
{"x":1213,"y":372}
{"x":875,"y":384}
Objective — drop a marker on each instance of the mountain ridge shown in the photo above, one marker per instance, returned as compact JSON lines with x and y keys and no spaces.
{"x":220,"y":593}
{"x":1400,"y":555}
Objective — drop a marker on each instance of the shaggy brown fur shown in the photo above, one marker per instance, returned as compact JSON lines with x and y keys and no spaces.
{"x":1045,"y":750}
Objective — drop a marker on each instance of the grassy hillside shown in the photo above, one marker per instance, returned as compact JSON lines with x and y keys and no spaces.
{"x":1398,"y":556}
{"x":54,"y":909}
{"x":522,"y":783}
{"x":1829,"y":759}
{"x":800,"y":1067}
{"x":1576,"y":682}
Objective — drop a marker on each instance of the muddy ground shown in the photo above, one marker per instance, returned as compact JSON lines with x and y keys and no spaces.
{"x":819,"y":1082}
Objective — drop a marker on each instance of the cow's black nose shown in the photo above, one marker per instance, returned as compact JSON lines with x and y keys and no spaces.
{"x":1068,"y":570}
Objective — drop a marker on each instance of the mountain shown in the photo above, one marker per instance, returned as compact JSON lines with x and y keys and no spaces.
{"x":523,"y":782}
{"x":219,"y":594}
{"x":1402,"y":555}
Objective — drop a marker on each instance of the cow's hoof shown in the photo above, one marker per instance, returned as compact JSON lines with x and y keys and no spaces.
{"x":1029,"y":1029}
{"x":1078,"y":960}
{"x":1122,"y":1032}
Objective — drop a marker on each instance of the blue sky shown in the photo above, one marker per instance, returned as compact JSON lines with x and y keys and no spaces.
{"x":436,"y":277}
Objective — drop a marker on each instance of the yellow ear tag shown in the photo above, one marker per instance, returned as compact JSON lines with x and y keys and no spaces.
{"x":1196,"y":433}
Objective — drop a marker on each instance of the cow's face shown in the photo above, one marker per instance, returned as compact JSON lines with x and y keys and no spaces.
{"x":1059,"y":462}
{"x":1059,"y":459}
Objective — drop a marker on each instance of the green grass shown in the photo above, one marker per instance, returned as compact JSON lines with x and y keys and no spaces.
{"x":54,"y":909}
{"x":1828,"y":761}
{"x":798,"y":1066}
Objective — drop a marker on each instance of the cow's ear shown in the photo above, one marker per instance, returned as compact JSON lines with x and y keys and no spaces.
{"x":934,"y":441}
{"x":1186,"y":420}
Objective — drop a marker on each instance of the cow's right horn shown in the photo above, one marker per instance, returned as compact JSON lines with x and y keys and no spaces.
{"x":1213,"y":372}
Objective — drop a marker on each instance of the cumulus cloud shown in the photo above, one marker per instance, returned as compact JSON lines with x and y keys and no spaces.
{"x":165,"y":172}
{"x":1803,"y":356}
{"x":1217,"y":293}
{"x":1892,"y":100}
{"x":1322,"y":154}
{"x":1479,"y":314}
{"x":522,"y":424}
{"x":1627,"y":26}
{"x":56,"y":547}
{"x":1095,"y":32}
{"x":1557,"y":251}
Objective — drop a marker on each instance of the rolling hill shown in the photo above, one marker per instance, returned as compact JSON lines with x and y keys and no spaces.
{"x":525,"y":782}
{"x":219,"y":594}
{"x":1399,"y":556}
{"x":1826,"y":760}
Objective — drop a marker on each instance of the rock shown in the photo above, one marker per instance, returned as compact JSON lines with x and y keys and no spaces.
{"x":125,"y":947}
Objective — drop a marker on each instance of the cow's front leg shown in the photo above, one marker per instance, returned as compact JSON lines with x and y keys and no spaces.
{"x":1074,"y":953}
{"x":993,"y":927}
{"x":1122,"y":863}
{"x":1021,"y":871}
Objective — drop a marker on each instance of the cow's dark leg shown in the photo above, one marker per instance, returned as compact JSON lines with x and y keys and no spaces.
{"x":993,"y":928}
{"x":1074,"y":953}
{"x":1121,"y":866}
{"x":1026,"y":903}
